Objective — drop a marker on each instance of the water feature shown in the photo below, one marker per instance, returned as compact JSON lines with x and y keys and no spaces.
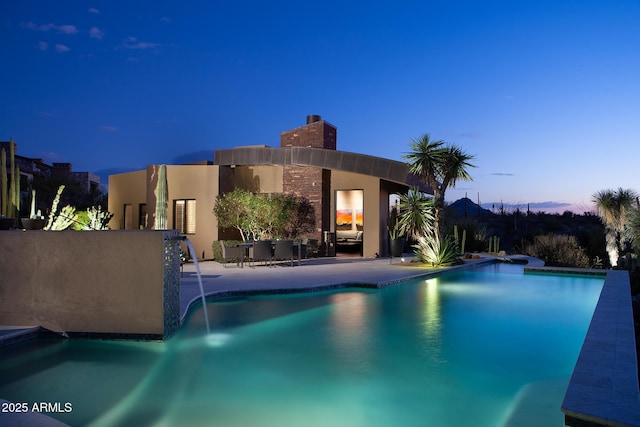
{"x":491,"y":347}
{"x":194,"y":256}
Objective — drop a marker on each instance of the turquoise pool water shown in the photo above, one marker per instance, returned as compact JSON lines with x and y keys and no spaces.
{"x":491,"y":347}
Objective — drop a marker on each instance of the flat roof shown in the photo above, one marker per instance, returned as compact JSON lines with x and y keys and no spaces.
{"x":386,"y":169}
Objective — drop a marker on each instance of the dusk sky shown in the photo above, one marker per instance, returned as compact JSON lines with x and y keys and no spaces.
{"x":545,"y":94}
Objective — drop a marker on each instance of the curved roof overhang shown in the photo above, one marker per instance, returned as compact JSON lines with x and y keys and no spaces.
{"x":386,"y":169}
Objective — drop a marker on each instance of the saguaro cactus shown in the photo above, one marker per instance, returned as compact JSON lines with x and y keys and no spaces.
{"x":162,"y":200}
{"x":11,"y":193}
{"x":4,"y":195}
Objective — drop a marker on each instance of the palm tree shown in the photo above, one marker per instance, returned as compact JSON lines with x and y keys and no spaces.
{"x":440,"y":165}
{"x":633,"y":227}
{"x":614,"y":208}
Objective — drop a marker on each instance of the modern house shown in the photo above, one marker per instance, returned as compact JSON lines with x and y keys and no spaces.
{"x":350,"y":192}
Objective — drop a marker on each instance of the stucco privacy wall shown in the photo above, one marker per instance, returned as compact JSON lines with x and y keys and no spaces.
{"x":104,"y":282}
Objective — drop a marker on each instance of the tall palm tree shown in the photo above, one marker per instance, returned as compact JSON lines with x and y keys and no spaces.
{"x":440,"y":165}
{"x":614,"y":207}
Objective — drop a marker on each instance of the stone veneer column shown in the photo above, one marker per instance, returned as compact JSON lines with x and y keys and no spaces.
{"x":313,"y":183}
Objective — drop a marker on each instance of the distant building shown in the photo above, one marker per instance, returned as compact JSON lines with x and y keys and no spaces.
{"x":88,"y":181}
{"x":350,"y":192}
{"x":32,"y":168}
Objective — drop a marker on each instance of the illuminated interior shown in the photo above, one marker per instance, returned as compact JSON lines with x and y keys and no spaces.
{"x":349,"y":210}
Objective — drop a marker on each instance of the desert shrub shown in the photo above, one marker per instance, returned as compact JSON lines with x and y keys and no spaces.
{"x":559,"y":250}
{"x":81,"y":219}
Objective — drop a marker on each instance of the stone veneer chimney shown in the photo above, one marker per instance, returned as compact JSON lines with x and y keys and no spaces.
{"x":315,"y":134}
{"x":313,"y":183}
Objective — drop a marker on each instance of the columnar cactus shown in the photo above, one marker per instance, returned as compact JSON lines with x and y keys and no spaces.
{"x":3,"y":183}
{"x":32,"y":213}
{"x":162,"y":200}
{"x":11,"y":193}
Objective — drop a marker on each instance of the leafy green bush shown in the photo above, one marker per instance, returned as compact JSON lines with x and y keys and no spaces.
{"x":264,"y":216}
{"x":217,"y":250}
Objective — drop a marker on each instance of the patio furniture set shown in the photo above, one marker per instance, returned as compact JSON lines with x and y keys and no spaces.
{"x":269,"y":252}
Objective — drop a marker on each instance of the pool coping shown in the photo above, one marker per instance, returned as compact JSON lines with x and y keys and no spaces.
{"x":604,"y":387}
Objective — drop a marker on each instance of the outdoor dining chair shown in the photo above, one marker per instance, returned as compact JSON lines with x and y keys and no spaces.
{"x":261,"y":251}
{"x":284,"y":250}
{"x":230,"y":253}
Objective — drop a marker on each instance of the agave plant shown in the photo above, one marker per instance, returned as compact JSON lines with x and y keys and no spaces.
{"x":438,"y":253}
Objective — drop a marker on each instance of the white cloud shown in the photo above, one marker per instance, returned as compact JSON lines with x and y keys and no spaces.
{"x":67,"y":29}
{"x":108,"y":128}
{"x":64,"y":29}
{"x":62,"y":48}
{"x":134,"y":43}
{"x":96,"y":33}
{"x":165,"y":20}
{"x":35,"y":27}
{"x":43,"y":45}
{"x":94,"y":10}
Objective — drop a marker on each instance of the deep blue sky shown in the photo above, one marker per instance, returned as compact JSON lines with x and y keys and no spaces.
{"x":545,"y":94}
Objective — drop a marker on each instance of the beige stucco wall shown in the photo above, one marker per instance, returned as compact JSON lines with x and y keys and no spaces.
{"x":371,"y":217}
{"x":126,"y":188}
{"x":199,"y":182}
{"x":83,"y":281}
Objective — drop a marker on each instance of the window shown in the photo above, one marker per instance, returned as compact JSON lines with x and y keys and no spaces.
{"x":142,"y":216}
{"x":184,"y":216}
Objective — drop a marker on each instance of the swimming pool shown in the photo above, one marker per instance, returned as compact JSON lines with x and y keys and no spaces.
{"x":490,"y":347}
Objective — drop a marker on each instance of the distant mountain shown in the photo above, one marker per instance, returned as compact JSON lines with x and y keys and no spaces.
{"x":466,"y":207}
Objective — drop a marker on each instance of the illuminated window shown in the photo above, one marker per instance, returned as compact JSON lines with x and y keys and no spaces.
{"x":184,"y":216}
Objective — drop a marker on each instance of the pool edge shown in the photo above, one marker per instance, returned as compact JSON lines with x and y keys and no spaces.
{"x":604,"y":388}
